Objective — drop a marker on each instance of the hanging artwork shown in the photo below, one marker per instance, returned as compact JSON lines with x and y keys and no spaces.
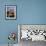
{"x":10,"y":12}
{"x":12,"y":38}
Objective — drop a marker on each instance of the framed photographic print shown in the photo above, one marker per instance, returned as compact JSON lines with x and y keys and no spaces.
{"x":10,"y":12}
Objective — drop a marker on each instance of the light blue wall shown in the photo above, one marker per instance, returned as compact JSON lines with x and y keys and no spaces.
{"x":28,"y":12}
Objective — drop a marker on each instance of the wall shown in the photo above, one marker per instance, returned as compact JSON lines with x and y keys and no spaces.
{"x":28,"y":12}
